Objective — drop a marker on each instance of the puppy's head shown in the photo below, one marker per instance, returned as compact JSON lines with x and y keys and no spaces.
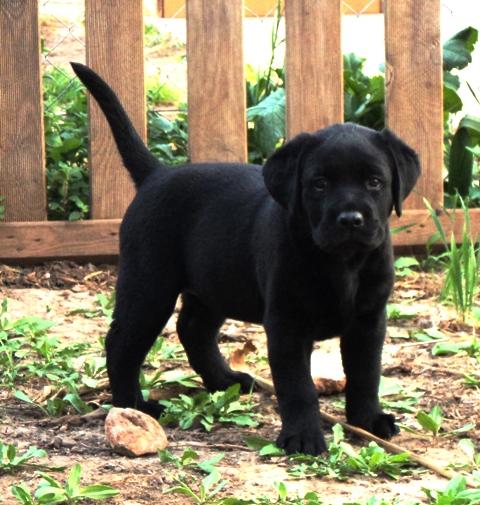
{"x":344,"y":181}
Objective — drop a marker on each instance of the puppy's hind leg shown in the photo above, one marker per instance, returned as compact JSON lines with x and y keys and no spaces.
{"x":141,"y":311}
{"x":197,"y":329}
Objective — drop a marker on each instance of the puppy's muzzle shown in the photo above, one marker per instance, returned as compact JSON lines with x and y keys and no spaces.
{"x":350,"y":220}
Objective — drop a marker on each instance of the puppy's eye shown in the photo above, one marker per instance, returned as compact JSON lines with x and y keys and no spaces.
{"x":320,"y":183}
{"x":374,"y":183}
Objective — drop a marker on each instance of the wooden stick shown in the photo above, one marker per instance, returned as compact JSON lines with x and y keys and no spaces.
{"x":390,"y":446}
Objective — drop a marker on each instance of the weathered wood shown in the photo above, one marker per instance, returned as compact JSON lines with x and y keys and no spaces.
{"x":59,"y":239}
{"x":313,"y":65}
{"x":96,"y":238}
{"x":414,"y":108}
{"x":22,"y":155}
{"x":114,"y":36}
{"x":216,"y":86}
{"x":254,"y":8}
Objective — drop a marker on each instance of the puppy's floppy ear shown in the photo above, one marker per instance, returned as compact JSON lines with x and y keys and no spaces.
{"x":279,"y":172}
{"x":405,"y":170}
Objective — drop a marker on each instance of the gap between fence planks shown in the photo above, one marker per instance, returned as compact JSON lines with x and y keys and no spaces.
{"x":22,"y":154}
{"x":114,"y":44}
{"x":216,"y":83}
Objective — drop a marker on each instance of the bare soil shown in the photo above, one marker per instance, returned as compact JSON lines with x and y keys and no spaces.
{"x":53,"y":290}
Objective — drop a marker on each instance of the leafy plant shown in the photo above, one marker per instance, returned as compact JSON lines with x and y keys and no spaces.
{"x":364,"y":96}
{"x":209,"y":487}
{"x":461,"y":280}
{"x":191,"y":459}
{"x":164,"y":349}
{"x":432,"y":421}
{"x":457,"y":54}
{"x":28,"y":351}
{"x":105,"y":303}
{"x":341,"y":460}
{"x":12,"y":460}
{"x":282,"y":498}
{"x":168,"y":138}
{"x":65,"y":121}
{"x":456,"y":493}
{"x":448,"y":348}
{"x":396,"y":312}
{"x":2,"y":208}
{"x":51,"y":491}
{"x":208,"y":408}
{"x":393,"y":396}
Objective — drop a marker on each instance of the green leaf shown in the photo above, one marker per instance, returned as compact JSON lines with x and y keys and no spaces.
{"x":432,"y":421}
{"x":73,"y":481}
{"x":457,"y":51}
{"x":268,"y":118}
{"x":460,"y":163}
{"x":22,"y":494}
{"x":98,"y":492}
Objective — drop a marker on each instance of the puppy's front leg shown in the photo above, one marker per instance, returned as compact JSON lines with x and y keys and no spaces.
{"x":289,"y":356}
{"x":361,"y":347}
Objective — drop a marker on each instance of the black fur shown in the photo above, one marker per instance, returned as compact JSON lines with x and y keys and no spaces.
{"x":302,"y":247}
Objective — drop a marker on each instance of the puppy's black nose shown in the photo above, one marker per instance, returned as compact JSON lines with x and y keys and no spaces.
{"x":350,"y":219}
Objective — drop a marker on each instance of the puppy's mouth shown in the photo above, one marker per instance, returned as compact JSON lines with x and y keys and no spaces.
{"x":334,"y":240}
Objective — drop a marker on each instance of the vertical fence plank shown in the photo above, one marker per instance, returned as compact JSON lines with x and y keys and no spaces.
{"x":114,"y":36}
{"x":22,"y":155}
{"x":216,"y":86}
{"x":313,"y":64}
{"x":414,"y":108}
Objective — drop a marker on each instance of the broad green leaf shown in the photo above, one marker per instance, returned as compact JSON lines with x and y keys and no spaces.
{"x":457,"y":51}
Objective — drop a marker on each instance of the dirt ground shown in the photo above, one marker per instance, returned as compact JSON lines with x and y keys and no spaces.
{"x":52,"y":291}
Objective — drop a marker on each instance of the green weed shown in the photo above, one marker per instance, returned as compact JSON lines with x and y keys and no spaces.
{"x":396,"y":312}
{"x":461,"y":281}
{"x":191,"y":460}
{"x":432,"y":421}
{"x":471,"y":348}
{"x":342,"y":460}
{"x":404,"y":264}
{"x":51,"y":491}
{"x":456,"y":493}
{"x":394,"y":396}
{"x":28,"y":351}
{"x":207,"y":409}
{"x":104,"y":305}
{"x":207,"y":491}
{"x":282,"y":498}
{"x":11,"y":460}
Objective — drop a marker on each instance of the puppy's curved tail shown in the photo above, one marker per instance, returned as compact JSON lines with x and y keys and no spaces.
{"x":136,"y":157}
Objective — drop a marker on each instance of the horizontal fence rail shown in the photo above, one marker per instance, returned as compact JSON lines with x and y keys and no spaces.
{"x":216,"y":105}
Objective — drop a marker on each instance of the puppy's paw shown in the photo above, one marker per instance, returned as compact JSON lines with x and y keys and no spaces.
{"x":380,"y":424}
{"x":384,"y":426}
{"x":246,"y":381}
{"x":150,"y":407}
{"x":306,"y":441}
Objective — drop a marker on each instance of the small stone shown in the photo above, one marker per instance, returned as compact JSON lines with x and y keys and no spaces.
{"x":134,"y":433}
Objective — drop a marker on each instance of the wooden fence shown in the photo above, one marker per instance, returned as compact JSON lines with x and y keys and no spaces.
{"x":216,"y":106}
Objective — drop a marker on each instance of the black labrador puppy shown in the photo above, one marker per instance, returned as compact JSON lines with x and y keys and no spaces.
{"x":301,"y":246}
